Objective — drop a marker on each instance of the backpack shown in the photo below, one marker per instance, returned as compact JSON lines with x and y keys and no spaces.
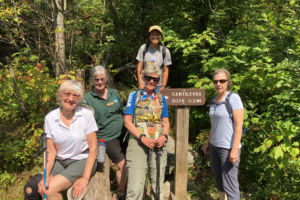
{"x":228,"y":108}
{"x":163,"y":49}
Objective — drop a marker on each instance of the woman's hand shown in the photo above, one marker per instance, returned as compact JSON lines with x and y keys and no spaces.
{"x":79,"y":186}
{"x":160,"y":141}
{"x":41,"y":186}
{"x":233,"y":156}
{"x":148,"y":142}
{"x":205,"y":148}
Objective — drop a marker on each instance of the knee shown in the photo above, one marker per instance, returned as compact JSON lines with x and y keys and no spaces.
{"x":31,"y":188}
{"x":122,"y":166}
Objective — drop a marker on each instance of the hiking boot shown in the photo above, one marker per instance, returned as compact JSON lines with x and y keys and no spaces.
{"x":119,"y":195}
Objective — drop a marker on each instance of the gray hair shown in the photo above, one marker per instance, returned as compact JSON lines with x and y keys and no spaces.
{"x":70,"y":85}
{"x":152,"y":68}
{"x":95,"y":71}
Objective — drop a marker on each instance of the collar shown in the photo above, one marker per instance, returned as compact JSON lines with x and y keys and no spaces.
{"x":77,"y":113}
{"x":94,"y":94}
{"x":145,"y":95}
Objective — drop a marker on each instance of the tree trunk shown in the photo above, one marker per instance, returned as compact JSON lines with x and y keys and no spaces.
{"x":80,"y":74}
{"x":116,"y":20}
{"x":101,"y":33}
{"x":60,"y":46}
{"x":99,"y":185}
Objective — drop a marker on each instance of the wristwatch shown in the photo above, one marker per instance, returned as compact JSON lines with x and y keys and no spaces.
{"x":166,"y":136}
{"x":164,"y":86}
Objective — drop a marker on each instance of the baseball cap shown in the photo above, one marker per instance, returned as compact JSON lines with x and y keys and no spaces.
{"x":155,"y":27}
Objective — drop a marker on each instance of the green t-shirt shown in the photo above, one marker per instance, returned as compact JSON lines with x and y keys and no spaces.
{"x":109,"y":113}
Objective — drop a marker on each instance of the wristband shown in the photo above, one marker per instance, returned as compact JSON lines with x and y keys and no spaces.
{"x":166,"y":136}
{"x":140,"y":137}
{"x":86,"y":179}
{"x":164,"y":86}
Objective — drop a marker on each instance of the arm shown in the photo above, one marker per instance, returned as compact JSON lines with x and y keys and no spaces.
{"x":162,"y":139}
{"x":81,"y":183}
{"x":139,"y":74}
{"x":238,"y":118}
{"x":205,"y":148}
{"x":165,"y":77}
{"x":136,"y":133}
{"x":51,"y":154}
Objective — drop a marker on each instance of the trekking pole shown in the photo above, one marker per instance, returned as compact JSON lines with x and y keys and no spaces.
{"x":44,"y":148}
{"x":158,"y":173}
{"x":148,"y":171}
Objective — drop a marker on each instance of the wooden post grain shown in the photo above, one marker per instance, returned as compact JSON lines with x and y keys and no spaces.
{"x":181,"y":151}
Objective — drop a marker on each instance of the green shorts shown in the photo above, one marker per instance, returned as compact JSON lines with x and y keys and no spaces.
{"x":71,"y":169}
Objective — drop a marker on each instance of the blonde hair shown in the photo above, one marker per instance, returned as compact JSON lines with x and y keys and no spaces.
{"x":70,"y":85}
{"x":152,"y":68}
{"x":227,"y":74}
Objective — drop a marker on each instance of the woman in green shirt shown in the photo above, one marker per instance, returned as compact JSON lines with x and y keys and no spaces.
{"x":109,"y":113}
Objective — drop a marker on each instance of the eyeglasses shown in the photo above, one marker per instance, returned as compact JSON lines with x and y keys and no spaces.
{"x":102,"y":79}
{"x":155,"y":35}
{"x":67,"y":95}
{"x":222,"y":81}
{"x":148,"y":78}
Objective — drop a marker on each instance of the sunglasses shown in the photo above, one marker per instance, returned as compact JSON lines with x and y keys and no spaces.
{"x":222,"y":81}
{"x":148,"y":78}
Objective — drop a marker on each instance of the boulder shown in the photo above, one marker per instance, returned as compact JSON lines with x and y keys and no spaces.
{"x":171,"y":156}
{"x":99,"y":185}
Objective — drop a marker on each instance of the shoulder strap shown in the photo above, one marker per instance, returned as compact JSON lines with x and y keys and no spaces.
{"x":163,"y":48}
{"x":212,"y":100}
{"x":145,"y":50}
{"x":227,"y":104}
{"x":138,"y":97}
{"x":160,"y":99}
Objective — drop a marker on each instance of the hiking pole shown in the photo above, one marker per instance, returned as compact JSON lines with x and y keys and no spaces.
{"x":44,"y":148}
{"x":148,"y":171}
{"x":158,"y":173}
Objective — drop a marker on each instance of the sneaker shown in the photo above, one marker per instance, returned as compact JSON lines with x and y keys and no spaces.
{"x":119,"y":195}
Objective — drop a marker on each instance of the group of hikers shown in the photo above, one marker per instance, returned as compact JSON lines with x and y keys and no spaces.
{"x":73,"y":130}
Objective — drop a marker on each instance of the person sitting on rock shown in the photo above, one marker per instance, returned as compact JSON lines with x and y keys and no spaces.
{"x":71,"y":147}
{"x":109,"y":115}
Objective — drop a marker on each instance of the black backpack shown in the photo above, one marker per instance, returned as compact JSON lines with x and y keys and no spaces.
{"x":163,"y":49}
{"x":228,"y":108}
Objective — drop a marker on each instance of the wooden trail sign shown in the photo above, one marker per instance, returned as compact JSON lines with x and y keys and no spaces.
{"x":182,"y":98}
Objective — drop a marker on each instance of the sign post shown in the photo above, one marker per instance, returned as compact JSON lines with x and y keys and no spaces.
{"x":182,"y":99}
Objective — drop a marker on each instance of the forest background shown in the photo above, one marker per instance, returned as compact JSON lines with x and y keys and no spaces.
{"x":43,"y":42}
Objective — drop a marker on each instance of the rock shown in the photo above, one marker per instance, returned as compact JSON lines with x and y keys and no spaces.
{"x":171,"y":156}
{"x":99,"y":185}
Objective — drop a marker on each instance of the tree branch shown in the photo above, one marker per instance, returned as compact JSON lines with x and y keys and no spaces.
{"x":224,"y":39}
{"x":67,"y":11}
{"x":12,"y":75}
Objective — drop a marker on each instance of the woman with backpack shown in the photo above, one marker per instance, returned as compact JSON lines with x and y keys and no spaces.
{"x":223,"y":143}
{"x":147,"y":119}
{"x":155,"y":53}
